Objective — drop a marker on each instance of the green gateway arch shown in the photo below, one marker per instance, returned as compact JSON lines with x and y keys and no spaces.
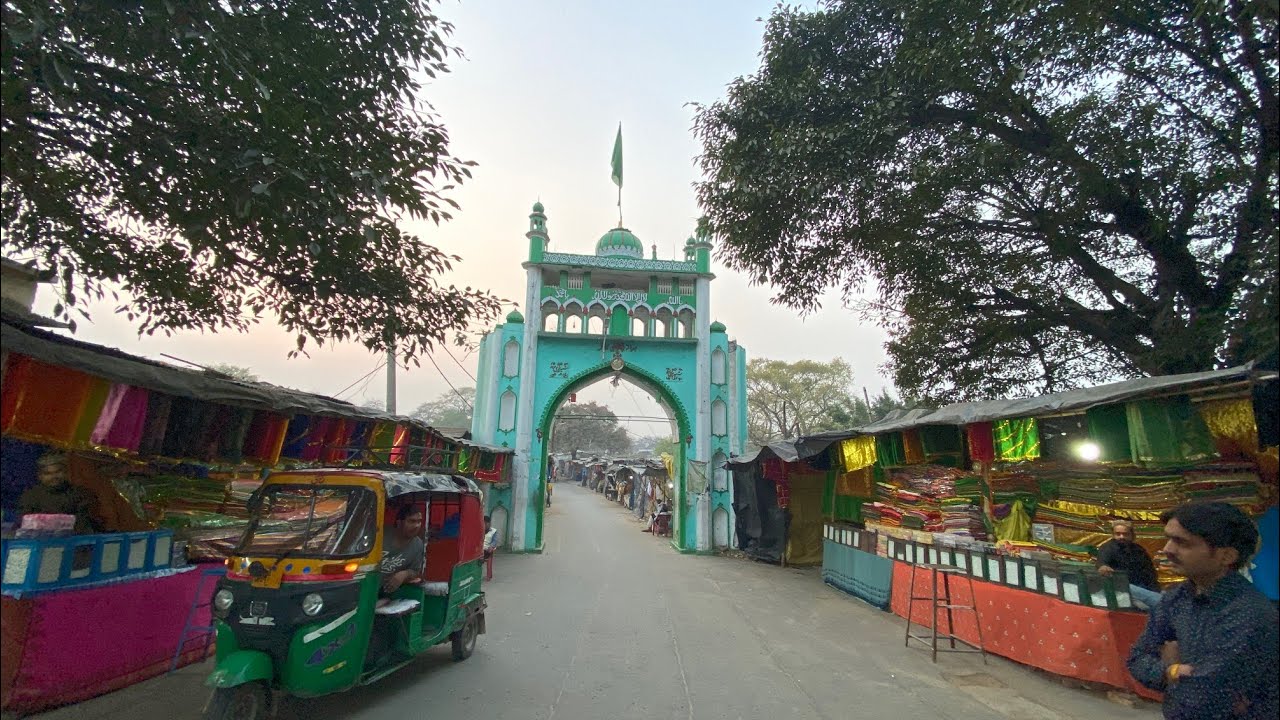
{"x":615,"y":312}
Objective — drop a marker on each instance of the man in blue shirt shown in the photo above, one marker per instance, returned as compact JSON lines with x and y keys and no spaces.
{"x":1211,"y":645}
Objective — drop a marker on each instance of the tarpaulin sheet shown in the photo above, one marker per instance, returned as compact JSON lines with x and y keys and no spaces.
{"x":804,"y":531}
{"x":761,"y":525}
{"x":1034,"y":629}
{"x":120,"y":367}
{"x":971,"y":412}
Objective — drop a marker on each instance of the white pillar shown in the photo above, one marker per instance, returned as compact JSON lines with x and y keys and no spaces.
{"x":521,"y":532}
{"x":702,"y":439}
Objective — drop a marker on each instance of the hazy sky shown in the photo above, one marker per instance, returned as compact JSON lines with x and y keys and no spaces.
{"x":536,"y":103}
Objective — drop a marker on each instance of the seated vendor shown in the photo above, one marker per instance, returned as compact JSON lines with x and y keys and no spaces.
{"x":404,"y":555}
{"x":55,"y":495}
{"x":1122,"y":554}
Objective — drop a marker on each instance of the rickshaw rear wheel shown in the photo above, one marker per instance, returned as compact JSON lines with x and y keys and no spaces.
{"x":464,"y":640}
{"x":242,"y":702}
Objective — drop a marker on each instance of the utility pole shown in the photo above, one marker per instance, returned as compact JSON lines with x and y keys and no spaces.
{"x":391,"y":379}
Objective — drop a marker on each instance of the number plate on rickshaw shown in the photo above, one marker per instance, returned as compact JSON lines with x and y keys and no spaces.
{"x":258,"y":608}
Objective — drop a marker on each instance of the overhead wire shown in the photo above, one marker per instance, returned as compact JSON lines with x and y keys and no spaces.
{"x":450,"y":382}
{"x":343,"y":391}
{"x":455,"y":360}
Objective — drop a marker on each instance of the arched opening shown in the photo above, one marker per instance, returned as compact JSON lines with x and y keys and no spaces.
{"x":719,"y":368}
{"x":664,"y":322}
{"x":645,"y":485}
{"x":511,"y":359}
{"x":720,"y":531}
{"x":719,"y":473}
{"x":595,"y":325}
{"x":573,"y":323}
{"x":640,"y":321}
{"x":686,"y":323}
{"x":498,"y":516}
{"x":550,"y":316}
{"x":507,"y":412}
{"x":719,"y":418}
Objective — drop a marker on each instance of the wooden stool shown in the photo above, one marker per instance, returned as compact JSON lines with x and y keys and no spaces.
{"x":943,"y":602}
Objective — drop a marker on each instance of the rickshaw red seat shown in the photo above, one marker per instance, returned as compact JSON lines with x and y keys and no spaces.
{"x":442,"y":555}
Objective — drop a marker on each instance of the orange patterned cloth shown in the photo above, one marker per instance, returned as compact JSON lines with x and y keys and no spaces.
{"x":1033,"y":629}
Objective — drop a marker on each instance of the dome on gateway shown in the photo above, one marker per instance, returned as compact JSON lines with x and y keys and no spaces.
{"x":619,"y":242}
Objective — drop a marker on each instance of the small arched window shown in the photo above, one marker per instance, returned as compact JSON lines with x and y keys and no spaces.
{"x":507,"y":412}
{"x":719,"y":418}
{"x":551,"y":321}
{"x":719,"y":473}
{"x":511,"y":359}
{"x":718,"y":370}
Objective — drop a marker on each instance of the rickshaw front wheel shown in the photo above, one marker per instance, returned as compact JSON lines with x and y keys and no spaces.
{"x":242,"y":702}
{"x":464,"y":640}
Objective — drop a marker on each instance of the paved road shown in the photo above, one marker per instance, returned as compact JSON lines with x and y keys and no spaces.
{"x":610,"y":622}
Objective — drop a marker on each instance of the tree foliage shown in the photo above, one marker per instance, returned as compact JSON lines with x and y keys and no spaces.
{"x":224,"y":160}
{"x":793,"y":399}
{"x":1043,"y":195}
{"x":235,"y":372}
{"x":666,"y":446}
{"x":449,"y":410}
{"x":588,"y":428}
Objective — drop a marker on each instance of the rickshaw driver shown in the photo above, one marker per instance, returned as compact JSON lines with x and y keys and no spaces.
{"x":404,"y":555}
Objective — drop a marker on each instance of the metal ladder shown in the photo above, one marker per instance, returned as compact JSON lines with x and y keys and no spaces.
{"x":189,"y":630}
{"x":943,"y":603}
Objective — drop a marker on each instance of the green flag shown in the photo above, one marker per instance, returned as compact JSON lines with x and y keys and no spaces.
{"x":617,"y":160}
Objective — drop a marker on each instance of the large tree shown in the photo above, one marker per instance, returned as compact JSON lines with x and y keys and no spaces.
{"x":452,"y":409}
{"x":1042,"y":195}
{"x":220,"y":161}
{"x":588,"y":428}
{"x":793,"y":399}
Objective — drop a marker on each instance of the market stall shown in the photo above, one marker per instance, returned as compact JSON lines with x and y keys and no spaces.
{"x":119,"y":473}
{"x":1020,"y":494}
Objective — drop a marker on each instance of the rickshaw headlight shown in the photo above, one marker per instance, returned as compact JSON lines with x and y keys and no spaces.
{"x":222,"y":601}
{"x":312,"y":604}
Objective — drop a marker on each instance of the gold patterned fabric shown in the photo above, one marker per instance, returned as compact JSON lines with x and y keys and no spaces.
{"x":858,"y":452}
{"x":1099,"y":510}
{"x":857,"y":483}
{"x":1232,"y":425}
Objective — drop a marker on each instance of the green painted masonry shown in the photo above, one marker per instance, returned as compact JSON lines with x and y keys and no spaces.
{"x":614,"y":313}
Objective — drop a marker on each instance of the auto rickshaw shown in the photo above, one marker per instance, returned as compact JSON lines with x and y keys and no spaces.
{"x":301,"y":603}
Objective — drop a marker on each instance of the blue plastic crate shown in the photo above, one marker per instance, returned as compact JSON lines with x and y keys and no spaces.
{"x":43,"y":564}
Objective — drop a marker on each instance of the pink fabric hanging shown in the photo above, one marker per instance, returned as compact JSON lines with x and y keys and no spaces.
{"x":982,"y":446}
{"x":316,"y":436}
{"x":122,"y":419}
{"x":400,"y":446}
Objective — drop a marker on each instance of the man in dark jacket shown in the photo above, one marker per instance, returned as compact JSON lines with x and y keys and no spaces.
{"x":1211,"y":645}
{"x":1122,"y":554}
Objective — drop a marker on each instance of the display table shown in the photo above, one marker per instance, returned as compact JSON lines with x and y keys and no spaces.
{"x":71,"y":645}
{"x":1034,"y":629}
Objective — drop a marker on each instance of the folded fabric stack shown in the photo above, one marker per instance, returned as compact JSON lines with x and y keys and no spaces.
{"x":1148,"y":493}
{"x":961,"y":516}
{"x":1093,"y":491}
{"x":1008,"y":488}
{"x":882,"y":513}
{"x":1234,"y":483}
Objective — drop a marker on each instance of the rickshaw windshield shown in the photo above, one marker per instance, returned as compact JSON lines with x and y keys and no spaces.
{"x":310,"y":521}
